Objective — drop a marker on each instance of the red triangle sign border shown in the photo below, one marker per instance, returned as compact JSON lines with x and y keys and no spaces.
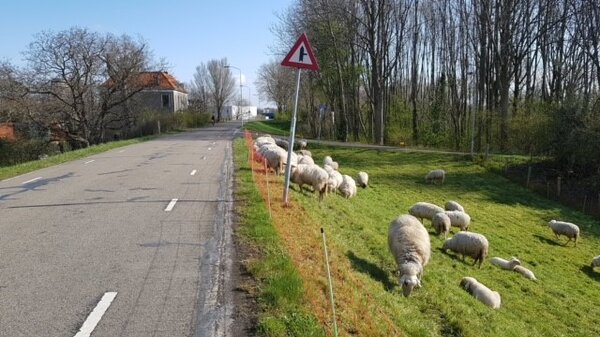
{"x":302,"y":41}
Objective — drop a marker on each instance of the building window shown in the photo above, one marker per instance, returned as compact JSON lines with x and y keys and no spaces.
{"x":165,"y":101}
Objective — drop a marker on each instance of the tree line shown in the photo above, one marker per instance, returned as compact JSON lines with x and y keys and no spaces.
{"x":493,"y":75}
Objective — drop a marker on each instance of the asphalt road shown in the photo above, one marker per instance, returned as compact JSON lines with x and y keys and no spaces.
{"x":71,"y":233}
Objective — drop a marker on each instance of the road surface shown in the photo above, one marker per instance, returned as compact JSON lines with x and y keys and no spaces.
{"x":131,"y":242}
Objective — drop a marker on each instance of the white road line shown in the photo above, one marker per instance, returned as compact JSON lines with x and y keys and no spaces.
{"x":171,"y":205}
{"x":32,"y":180}
{"x":210,"y":148}
{"x":90,"y":161}
{"x":193,"y":172}
{"x":121,"y":151}
{"x":92,"y":320}
{"x":203,"y":157}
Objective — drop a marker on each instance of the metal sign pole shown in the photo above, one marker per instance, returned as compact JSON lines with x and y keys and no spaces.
{"x":288,"y":167}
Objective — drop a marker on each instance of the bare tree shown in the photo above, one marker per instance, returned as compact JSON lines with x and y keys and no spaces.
{"x":12,"y":93}
{"x":217,"y":81}
{"x":276,"y":84}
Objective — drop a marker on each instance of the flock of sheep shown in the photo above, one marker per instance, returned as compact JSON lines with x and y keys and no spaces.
{"x":304,"y":171}
{"x":408,"y":239}
{"x":409,"y":242}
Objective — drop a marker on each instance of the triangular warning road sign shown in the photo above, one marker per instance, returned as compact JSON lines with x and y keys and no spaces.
{"x":301,"y":55}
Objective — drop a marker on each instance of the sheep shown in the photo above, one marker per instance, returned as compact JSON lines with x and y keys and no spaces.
{"x":441,"y":223}
{"x":311,"y":175}
{"x":303,"y":159}
{"x":482,"y":293}
{"x":362,"y":179}
{"x":259,"y":141}
{"x":459,"y":219}
{"x":424,"y":210}
{"x":504,"y":264}
{"x":282,"y":143}
{"x":335,"y":179}
{"x":525,"y":272}
{"x":436,"y":175}
{"x":567,"y":229}
{"x":348,"y":187}
{"x":276,"y":157}
{"x":305,"y":153}
{"x":468,"y":243}
{"x":328,"y":161}
{"x":302,"y":143}
{"x":409,"y":243}
{"x":453,"y":206}
{"x":595,"y":262}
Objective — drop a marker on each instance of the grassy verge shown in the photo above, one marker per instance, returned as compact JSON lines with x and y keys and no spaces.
{"x":15,"y":170}
{"x":561,"y":303}
{"x":272,"y":127}
{"x":283,"y":310}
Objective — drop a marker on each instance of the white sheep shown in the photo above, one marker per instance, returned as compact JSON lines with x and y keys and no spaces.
{"x":595,"y":262}
{"x":459,"y":219}
{"x":453,"y":206}
{"x":328,"y":161}
{"x":362,"y":179}
{"x":348,"y":187}
{"x":482,"y":293}
{"x":282,"y":143}
{"x":304,"y":159}
{"x":567,"y":229}
{"x":504,"y":264}
{"x":302,"y":143}
{"x":470,"y":244}
{"x":335,"y":179}
{"x":409,"y":243}
{"x":436,"y":175}
{"x":276,"y":157}
{"x":424,"y":210}
{"x":525,"y":272}
{"x":441,"y":223}
{"x":259,"y":141}
{"x":305,"y":152}
{"x":310,"y":175}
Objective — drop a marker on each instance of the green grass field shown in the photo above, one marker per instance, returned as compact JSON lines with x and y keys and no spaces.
{"x":563,"y":302}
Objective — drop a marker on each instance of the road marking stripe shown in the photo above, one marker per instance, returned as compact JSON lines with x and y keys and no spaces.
{"x":203,"y":157}
{"x":32,"y":180}
{"x":193,"y":172}
{"x":171,"y":205}
{"x":89,"y":161}
{"x":92,"y":320}
{"x":121,"y":151}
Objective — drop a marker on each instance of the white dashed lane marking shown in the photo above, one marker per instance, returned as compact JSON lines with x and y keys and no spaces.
{"x":193,"y":172}
{"x":89,"y":161}
{"x":90,"y":323}
{"x":171,"y":205}
{"x":31,"y":180}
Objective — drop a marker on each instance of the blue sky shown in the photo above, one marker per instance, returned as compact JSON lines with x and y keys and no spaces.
{"x":184,"y":32}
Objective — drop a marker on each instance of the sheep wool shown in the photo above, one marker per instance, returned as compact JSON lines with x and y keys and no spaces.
{"x":470,"y":244}
{"x":441,"y":224}
{"x":409,"y":243}
{"x":362,"y":179}
{"x":595,"y":262}
{"x":335,"y":179}
{"x":348,"y":187}
{"x":482,"y":293}
{"x":568,"y":229}
{"x":435,"y":176}
{"x":459,"y":219}
{"x":453,"y":206}
{"x":424,"y":210}
{"x":310,"y":175}
{"x":504,"y":264}
{"x":528,"y":274}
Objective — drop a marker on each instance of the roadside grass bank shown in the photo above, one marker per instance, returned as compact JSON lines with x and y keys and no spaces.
{"x":279,"y":288}
{"x":15,"y":170}
{"x":272,"y":127}
{"x":368,"y":299}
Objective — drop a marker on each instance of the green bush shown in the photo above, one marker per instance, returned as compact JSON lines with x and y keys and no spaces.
{"x":15,"y":152}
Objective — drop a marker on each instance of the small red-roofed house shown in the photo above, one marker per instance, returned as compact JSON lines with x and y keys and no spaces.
{"x":162,"y":92}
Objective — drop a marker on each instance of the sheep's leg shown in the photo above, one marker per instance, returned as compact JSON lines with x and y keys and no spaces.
{"x":568,"y":242}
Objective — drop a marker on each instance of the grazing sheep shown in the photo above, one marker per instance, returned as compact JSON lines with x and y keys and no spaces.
{"x":482,"y":293}
{"x":459,"y":219}
{"x":595,"y":262}
{"x":302,"y":143}
{"x":567,"y":229}
{"x":453,"y":206}
{"x":276,"y":157}
{"x":468,"y":243}
{"x":282,"y":143}
{"x":260,"y":141}
{"x":335,"y":179}
{"x":303,"y":159}
{"x":362,"y":179}
{"x":424,"y":210}
{"x":328,"y":161}
{"x":409,"y":243}
{"x":441,"y":223}
{"x":504,"y":264}
{"x":305,"y":153}
{"x":348,"y":187}
{"x":312,"y":175}
{"x":436,"y":175}
{"x":525,"y":272}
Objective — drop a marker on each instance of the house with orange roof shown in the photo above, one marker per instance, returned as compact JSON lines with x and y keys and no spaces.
{"x":162,"y":92}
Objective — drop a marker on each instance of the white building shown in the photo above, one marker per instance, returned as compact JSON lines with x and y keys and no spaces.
{"x":230,"y":112}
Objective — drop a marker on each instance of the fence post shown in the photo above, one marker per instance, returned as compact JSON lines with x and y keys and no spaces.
{"x":558,"y":182}
{"x":528,"y":176}
{"x":158,"y":123}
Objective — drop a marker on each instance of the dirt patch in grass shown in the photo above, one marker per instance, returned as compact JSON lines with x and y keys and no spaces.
{"x":358,"y":313}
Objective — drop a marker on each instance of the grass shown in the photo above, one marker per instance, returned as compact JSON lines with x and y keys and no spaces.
{"x":15,"y":170}
{"x":272,"y":127}
{"x":283,"y":309}
{"x":563,"y":302}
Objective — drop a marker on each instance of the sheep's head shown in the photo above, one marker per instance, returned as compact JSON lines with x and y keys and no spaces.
{"x":551,"y":222}
{"x":514,"y":261}
{"x":409,"y":277}
{"x":467,"y":282}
